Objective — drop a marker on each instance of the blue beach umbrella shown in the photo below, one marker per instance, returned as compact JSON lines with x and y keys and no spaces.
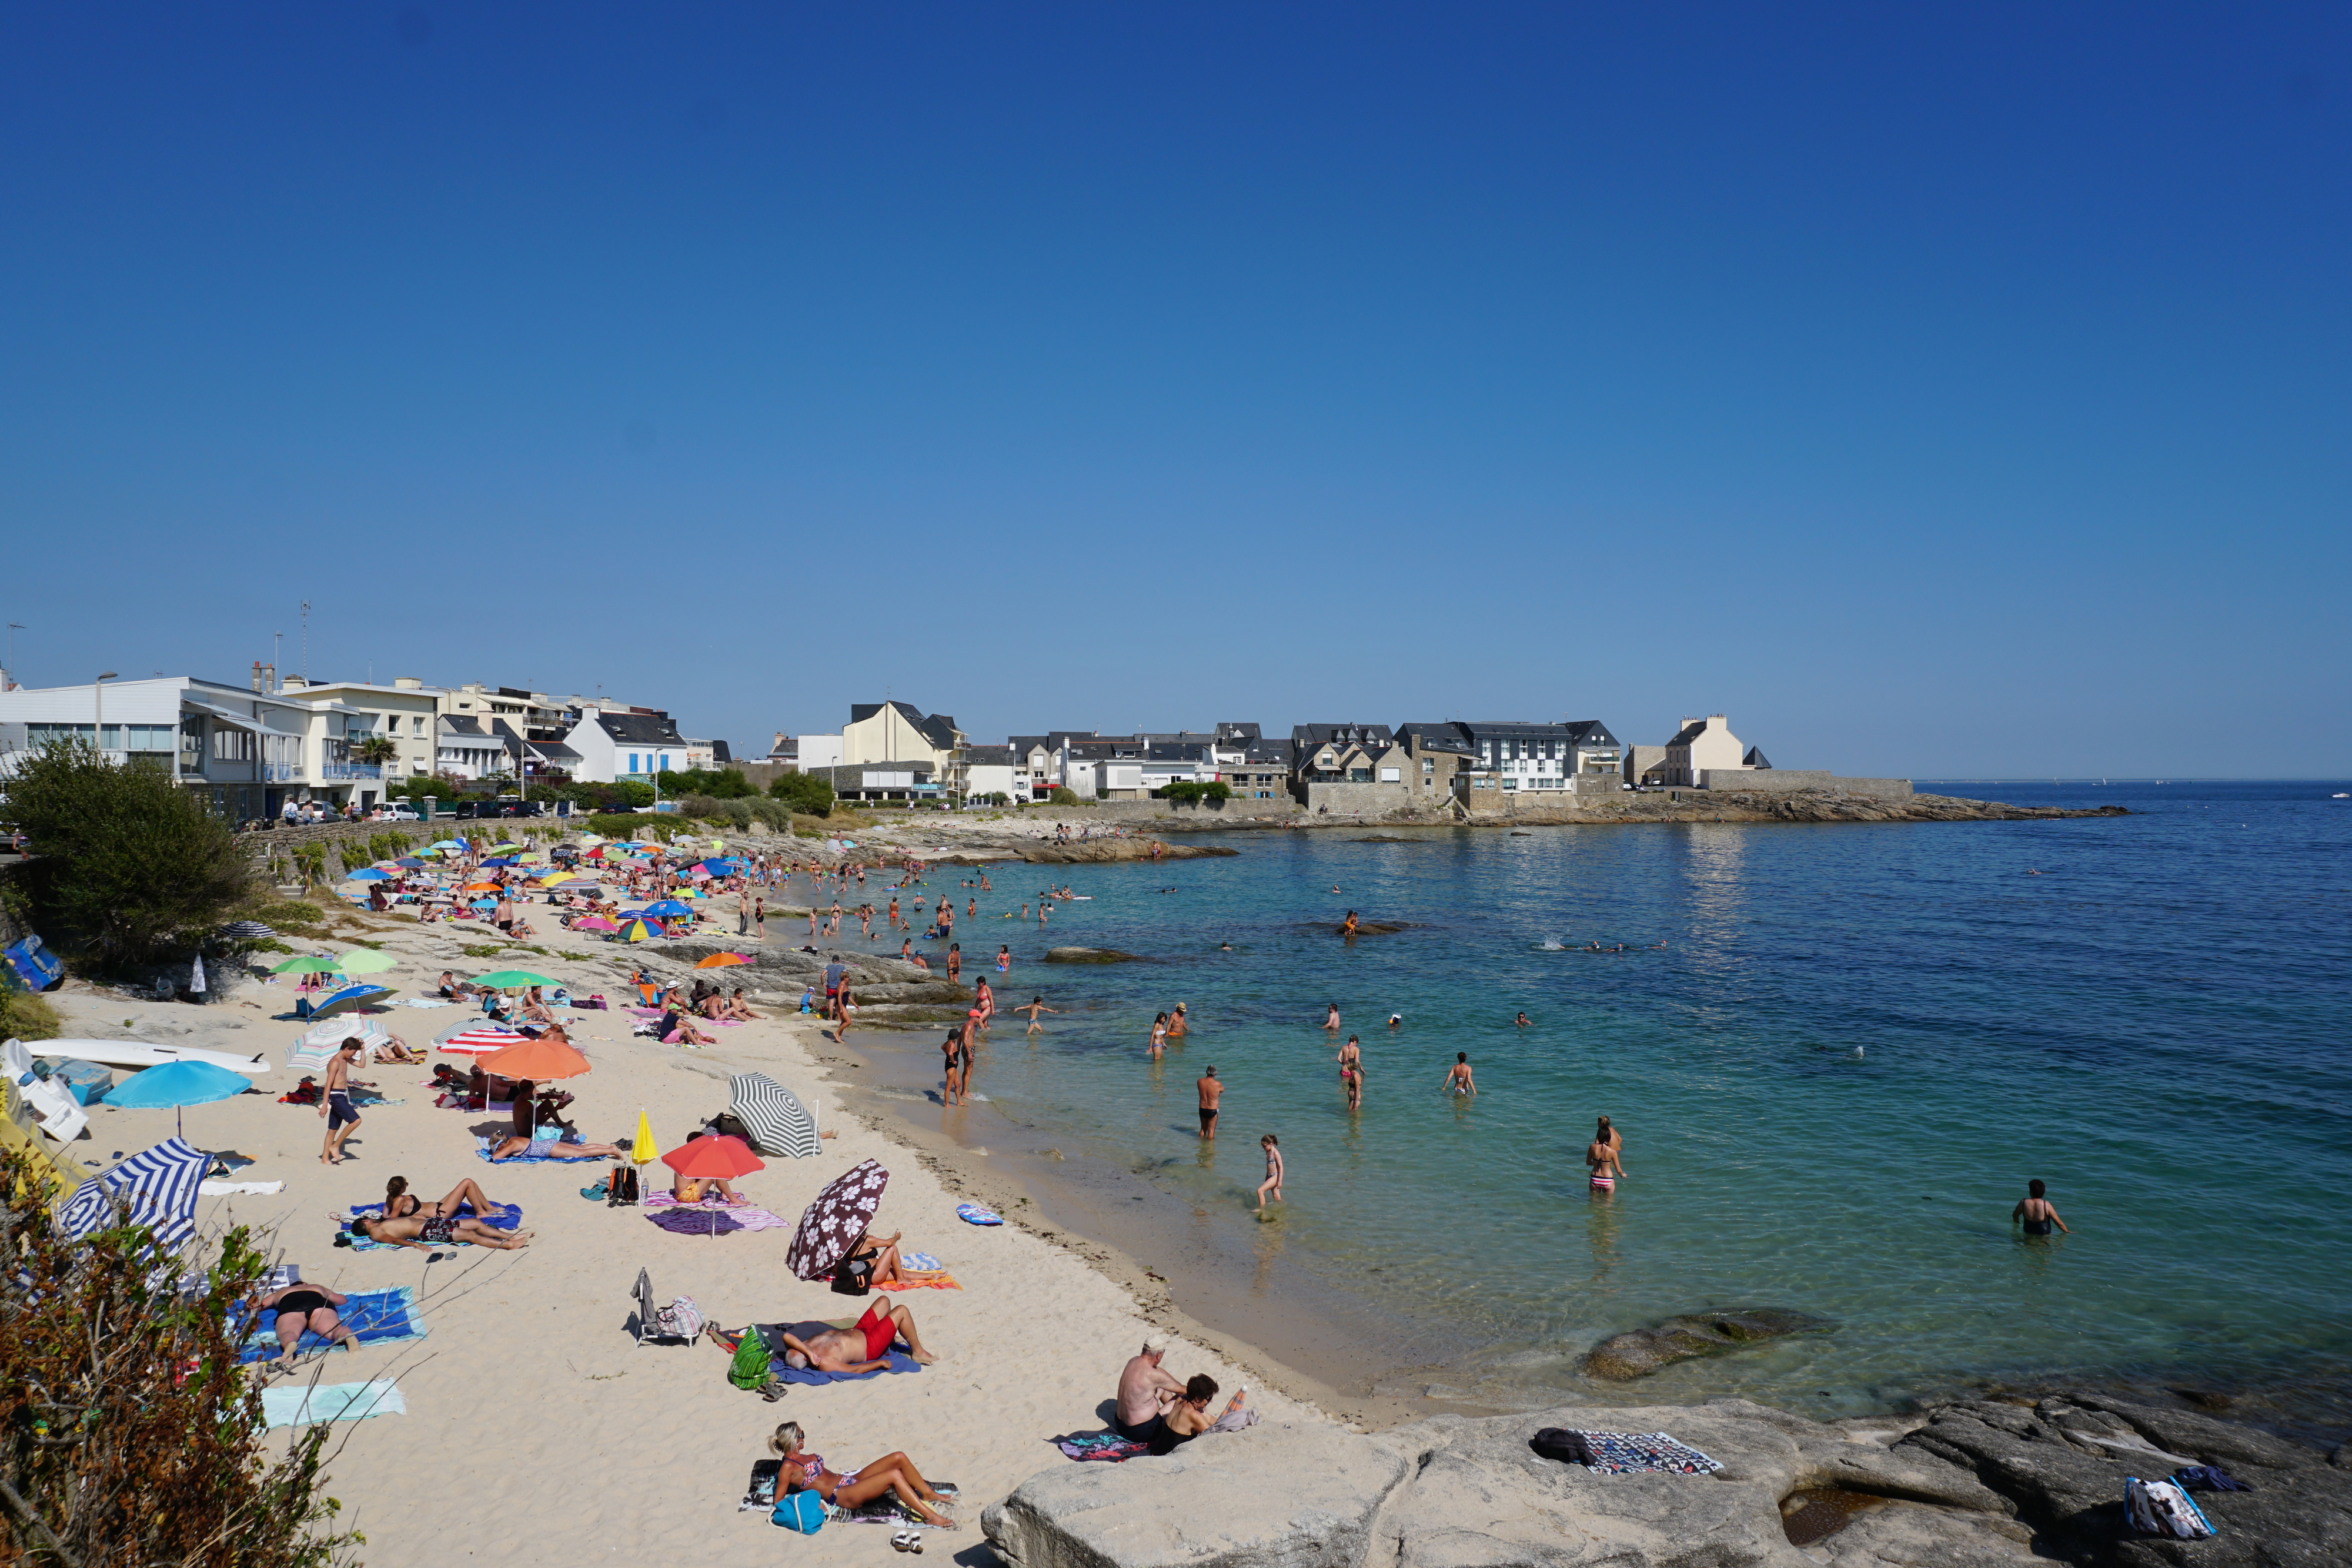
{"x":176,"y":1084}
{"x":370,"y":874}
{"x":667,"y":908}
{"x":411,"y":862}
{"x":350,"y":998}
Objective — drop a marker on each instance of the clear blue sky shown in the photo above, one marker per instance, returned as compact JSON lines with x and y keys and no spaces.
{"x":1951,"y":390}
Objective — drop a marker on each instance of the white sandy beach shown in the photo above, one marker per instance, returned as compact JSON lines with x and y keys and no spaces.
{"x":536,"y":1430}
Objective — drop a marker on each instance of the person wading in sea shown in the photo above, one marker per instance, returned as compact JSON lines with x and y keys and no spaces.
{"x":1211,"y":1092}
{"x":2037,"y":1213}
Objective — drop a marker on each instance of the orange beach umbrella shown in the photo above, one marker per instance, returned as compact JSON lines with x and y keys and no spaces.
{"x":537,"y":1060}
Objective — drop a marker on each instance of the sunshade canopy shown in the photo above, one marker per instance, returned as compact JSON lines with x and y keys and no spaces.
{"x":367,"y":961}
{"x":351,"y":997}
{"x":722,"y":961}
{"x":836,"y":1220}
{"x":307,"y":964}
{"x":714,"y":1157}
{"x":536,"y":1058}
{"x":512,"y":980}
{"x":177,"y":1083}
{"x":779,"y":1123}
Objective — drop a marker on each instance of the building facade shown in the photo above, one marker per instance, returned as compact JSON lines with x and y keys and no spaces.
{"x":900,"y":732}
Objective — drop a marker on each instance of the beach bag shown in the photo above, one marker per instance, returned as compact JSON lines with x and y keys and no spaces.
{"x":748,"y":1370}
{"x":679,"y":1320}
{"x":854,"y":1276}
{"x":620,"y":1186}
{"x":1563,"y":1444}
{"x":801,"y":1511}
{"x":2160,"y":1508}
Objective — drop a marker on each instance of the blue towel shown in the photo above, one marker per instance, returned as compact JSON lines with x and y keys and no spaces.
{"x":374,"y":1317}
{"x":293,"y":1406}
{"x":482,"y":1153}
{"x":898,"y":1361}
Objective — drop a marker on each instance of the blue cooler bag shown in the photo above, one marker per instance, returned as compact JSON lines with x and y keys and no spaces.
{"x":801,"y":1511}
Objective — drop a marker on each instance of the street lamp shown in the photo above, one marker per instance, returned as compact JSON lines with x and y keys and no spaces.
{"x":98,"y":699}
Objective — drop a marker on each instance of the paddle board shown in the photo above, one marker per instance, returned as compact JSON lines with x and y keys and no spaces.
{"x":137,"y":1054}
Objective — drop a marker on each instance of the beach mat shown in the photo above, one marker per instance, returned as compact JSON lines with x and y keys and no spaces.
{"x":1103,"y":1447}
{"x":374,"y":1317}
{"x":712,"y":1218}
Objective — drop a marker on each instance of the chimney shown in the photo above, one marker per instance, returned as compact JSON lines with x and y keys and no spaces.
{"x":298,"y":682}
{"x":407,"y":684}
{"x":257,"y":676}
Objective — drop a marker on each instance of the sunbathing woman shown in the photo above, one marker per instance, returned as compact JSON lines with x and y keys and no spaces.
{"x":552,"y":1149}
{"x":885,"y":1267}
{"x":298,"y":1307}
{"x":892,"y":1474}
{"x":674,"y":1029}
{"x":424,"y":1234}
{"x":400,"y":1204}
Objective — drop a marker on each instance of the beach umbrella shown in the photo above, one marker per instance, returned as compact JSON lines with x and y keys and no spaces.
{"x":246,"y":930}
{"x":644,"y":1150}
{"x":176,"y":1084}
{"x":507,"y":848}
{"x":512,"y":980}
{"x":722,"y":961}
{"x":594,"y":923}
{"x":497,"y":860}
{"x":351,"y":997}
{"x":779,"y":1122}
{"x":637,"y":931}
{"x":536,"y":1059}
{"x":478,"y":887}
{"x":447,"y":844}
{"x":707,"y":1157}
{"x":410,"y":862}
{"x":370,"y":874}
{"x":480,"y":1040}
{"x":720,"y":867}
{"x":667,"y":908}
{"x":366,"y":961}
{"x":159,"y":1185}
{"x":835,"y":1223}
{"x":309,"y":964}
{"x":320,"y":1041}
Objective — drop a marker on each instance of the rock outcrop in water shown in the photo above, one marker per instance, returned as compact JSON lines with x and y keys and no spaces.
{"x":1641,"y":1351}
{"x":1979,"y":1485}
{"x":1090,"y":956}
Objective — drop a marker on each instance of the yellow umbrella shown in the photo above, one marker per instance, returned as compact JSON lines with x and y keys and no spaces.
{"x":644,"y":1151}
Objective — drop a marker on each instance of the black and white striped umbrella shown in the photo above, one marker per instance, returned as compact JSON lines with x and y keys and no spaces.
{"x":779,"y":1123}
{"x":246,"y":930}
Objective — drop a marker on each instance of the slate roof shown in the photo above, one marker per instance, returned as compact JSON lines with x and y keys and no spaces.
{"x":990,"y":756}
{"x":937,"y":728}
{"x":1342,"y":734}
{"x":1755,"y":757}
{"x":639,"y":729}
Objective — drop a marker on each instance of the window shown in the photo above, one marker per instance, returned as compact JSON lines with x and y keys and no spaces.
{"x":1390,"y":776}
{"x":1360,"y":775}
{"x":632,"y":763}
{"x":232,"y":745}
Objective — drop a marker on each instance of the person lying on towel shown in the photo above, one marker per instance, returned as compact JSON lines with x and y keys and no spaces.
{"x":550,"y":1149}
{"x":892,"y":1475}
{"x":861,"y":1348}
{"x":425,"y":1232}
{"x":874,"y":1261}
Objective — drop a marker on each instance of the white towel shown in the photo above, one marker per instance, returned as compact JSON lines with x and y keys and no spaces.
{"x":226,"y":1188}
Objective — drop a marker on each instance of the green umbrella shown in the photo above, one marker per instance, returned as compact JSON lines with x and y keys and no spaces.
{"x":307,"y":965}
{"x":512,"y":980}
{"x":366,"y":961}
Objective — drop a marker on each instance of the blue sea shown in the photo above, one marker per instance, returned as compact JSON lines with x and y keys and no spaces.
{"x":1836,"y":1054}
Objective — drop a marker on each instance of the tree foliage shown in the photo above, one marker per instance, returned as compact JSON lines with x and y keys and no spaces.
{"x":129,"y":1436}
{"x":125,"y":859}
{"x":804,"y":792}
{"x":719,"y":784}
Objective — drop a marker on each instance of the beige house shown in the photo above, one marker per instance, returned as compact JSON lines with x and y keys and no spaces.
{"x":900,"y":732}
{"x":403,"y":713}
{"x":1701,"y":745}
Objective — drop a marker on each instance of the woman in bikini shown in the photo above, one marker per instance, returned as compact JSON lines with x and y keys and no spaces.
{"x":1159,"y":1035}
{"x":891,"y":1475}
{"x":399,"y":1203}
{"x":298,"y":1307}
{"x":1352,"y":1072}
{"x":1601,"y":1155}
{"x":953,"y":1049}
{"x":424,"y":1234}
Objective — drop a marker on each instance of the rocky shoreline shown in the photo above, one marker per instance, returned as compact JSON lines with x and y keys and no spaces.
{"x":1976,"y":1484}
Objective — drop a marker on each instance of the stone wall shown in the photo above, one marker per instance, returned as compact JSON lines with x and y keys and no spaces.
{"x":1780,"y":780}
{"x":1206,"y":813}
{"x":1362,"y":799}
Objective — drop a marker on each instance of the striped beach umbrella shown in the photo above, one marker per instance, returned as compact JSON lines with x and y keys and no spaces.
{"x":831,"y":1226}
{"x":160,"y":1186}
{"x":637,"y":931}
{"x":247,"y":930}
{"x":318,"y":1043}
{"x":480,"y":1040}
{"x":779,"y":1123}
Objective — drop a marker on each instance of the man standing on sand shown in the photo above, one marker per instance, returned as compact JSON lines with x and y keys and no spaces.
{"x":1211,"y":1092}
{"x":1144,"y":1391}
{"x":833,"y":978}
{"x":335,"y":1105}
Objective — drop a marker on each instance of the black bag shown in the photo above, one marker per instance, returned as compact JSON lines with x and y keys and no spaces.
{"x":854,"y":1276}
{"x":1560,"y":1443}
{"x":620,"y":1186}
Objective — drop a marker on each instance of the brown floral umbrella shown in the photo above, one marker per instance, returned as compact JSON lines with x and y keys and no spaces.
{"x":832,"y":1224}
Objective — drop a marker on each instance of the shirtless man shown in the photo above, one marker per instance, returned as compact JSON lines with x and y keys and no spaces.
{"x":2037,"y":1212}
{"x":1211,"y":1092}
{"x":426,"y":1232}
{"x":1179,"y":1026}
{"x":1144,"y":1391}
{"x":955,"y":962}
{"x":861,"y":1348}
{"x":1035,"y":1005}
{"x":335,"y":1103}
{"x":1457,"y":1077}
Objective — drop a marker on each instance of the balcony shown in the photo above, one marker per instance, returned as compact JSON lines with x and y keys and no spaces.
{"x":344,"y":772}
{"x":281,"y":772}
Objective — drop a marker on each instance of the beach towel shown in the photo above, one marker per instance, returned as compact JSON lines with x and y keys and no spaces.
{"x":293,"y":1406}
{"x":709,"y":1219}
{"x":944,"y":1282}
{"x":1108,"y":1447}
{"x":506,"y":1216}
{"x":374,"y":1317}
{"x":234,"y":1188}
{"x":1623,"y":1453}
{"x":896,"y":1360}
{"x":532,"y":1157}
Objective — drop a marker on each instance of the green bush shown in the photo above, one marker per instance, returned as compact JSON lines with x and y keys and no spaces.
{"x":771,"y":814}
{"x":27,"y":1016}
{"x":804,"y":793}
{"x":721,"y":784}
{"x":1062,"y":796}
{"x":125,"y":859}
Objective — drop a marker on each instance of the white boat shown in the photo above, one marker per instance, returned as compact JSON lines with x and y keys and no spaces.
{"x":138,"y":1053}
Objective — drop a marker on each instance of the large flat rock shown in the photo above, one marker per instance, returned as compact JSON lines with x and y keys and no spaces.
{"x":1277,"y":1495}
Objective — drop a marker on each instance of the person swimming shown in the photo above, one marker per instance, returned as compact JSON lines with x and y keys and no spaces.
{"x":2037,"y":1212}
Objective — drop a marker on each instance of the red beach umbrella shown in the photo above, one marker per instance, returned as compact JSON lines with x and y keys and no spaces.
{"x":714,"y":1157}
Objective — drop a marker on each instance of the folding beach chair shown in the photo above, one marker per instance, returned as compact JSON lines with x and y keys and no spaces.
{"x":647,"y":1332}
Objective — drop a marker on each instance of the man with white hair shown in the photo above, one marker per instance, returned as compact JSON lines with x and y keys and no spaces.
{"x":1144,"y":1391}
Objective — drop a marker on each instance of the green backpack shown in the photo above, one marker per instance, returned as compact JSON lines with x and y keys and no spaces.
{"x":748,"y":1370}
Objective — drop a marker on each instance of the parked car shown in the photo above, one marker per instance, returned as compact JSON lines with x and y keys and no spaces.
{"x":506,"y":806}
{"x":393,"y":812}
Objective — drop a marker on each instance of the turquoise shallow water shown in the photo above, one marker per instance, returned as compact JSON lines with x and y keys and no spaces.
{"x":1833,"y":1079}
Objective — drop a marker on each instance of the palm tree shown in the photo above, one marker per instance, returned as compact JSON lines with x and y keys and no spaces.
{"x":375,"y":748}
